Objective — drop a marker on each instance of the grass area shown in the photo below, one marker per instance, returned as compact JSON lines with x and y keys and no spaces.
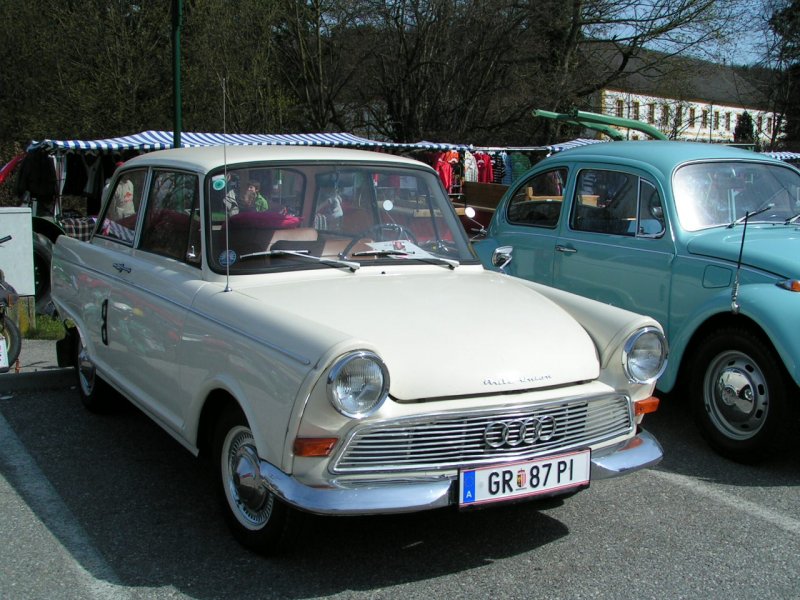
{"x":47,"y":328}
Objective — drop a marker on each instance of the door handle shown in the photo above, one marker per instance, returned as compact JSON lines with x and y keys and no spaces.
{"x":121,"y":267}
{"x":565,"y":249}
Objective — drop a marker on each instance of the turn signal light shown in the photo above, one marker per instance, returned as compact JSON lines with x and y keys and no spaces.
{"x":314,"y":446}
{"x":643,"y":407}
{"x":793,"y":285}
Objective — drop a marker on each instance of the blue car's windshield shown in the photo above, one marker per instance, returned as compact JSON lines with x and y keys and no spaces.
{"x":719,"y":193}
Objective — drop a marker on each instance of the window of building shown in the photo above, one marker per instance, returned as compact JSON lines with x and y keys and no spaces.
{"x":651,"y":113}
{"x":727,"y":121}
{"x":664,"y":116}
{"x":678,"y":116}
{"x":636,"y":111}
{"x":704,"y":119}
{"x":759,"y":123}
{"x":620,"y":108}
{"x":716,"y":119}
{"x":769,"y":125}
{"x":692,"y":117}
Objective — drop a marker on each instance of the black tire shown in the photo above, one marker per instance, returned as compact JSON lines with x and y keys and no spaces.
{"x":42,"y":257}
{"x":97,"y":396}
{"x":740,"y":396}
{"x":258,"y":519}
{"x":13,"y":339}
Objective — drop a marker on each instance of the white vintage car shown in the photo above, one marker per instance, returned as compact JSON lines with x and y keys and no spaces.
{"x":316,"y":321}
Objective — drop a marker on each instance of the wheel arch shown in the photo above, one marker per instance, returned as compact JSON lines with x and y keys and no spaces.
{"x":714,"y":323}
{"x":217,"y":402}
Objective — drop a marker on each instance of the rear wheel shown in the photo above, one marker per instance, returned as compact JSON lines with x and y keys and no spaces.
{"x":740,"y":396}
{"x":258,"y":519}
{"x":42,"y":257}
{"x":96,"y":395}
{"x":13,"y":339}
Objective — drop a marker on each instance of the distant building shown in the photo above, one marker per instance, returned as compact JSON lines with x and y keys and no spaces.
{"x":688,"y":99}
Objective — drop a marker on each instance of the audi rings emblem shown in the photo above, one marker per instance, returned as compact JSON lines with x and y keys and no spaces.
{"x":519,"y":432}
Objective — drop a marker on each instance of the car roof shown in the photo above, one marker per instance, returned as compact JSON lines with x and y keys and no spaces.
{"x":210,"y":157}
{"x":661,"y":154}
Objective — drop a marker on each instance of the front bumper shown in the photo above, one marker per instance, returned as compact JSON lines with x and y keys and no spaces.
{"x":417,"y":494}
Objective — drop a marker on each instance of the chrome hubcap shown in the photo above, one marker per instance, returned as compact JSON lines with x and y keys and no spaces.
{"x":245,"y":488}
{"x":736,"y":395}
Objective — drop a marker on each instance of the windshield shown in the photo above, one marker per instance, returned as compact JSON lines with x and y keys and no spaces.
{"x":720,"y":193}
{"x":265,"y":218}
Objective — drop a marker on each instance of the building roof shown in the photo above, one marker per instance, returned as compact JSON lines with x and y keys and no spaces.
{"x":690,"y":79}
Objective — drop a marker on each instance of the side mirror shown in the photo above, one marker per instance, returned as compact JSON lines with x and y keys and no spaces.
{"x":501,"y":256}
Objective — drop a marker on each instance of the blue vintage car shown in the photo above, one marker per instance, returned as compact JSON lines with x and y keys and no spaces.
{"x":704,"y":238}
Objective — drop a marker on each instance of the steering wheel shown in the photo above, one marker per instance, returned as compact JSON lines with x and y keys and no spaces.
{"x":400,"y":232}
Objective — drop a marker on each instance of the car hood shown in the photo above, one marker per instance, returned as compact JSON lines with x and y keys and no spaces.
{"x":772,"y":248}
{"x":444,"y":334}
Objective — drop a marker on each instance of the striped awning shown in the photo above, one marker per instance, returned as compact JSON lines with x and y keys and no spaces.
{"x":161,"y":140}
{"x":789,"y":156}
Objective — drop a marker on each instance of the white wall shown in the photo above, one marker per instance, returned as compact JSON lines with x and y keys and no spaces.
{"x":720,"y":120}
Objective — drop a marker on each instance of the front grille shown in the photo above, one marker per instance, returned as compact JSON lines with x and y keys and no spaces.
{"x":447,"y":440}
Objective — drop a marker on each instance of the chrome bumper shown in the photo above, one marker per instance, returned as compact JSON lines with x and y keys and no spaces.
{"x":411,"y":495}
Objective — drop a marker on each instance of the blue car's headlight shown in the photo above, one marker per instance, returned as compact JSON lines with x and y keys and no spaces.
{"x":644,"y":356}
{"x":358,"y":384}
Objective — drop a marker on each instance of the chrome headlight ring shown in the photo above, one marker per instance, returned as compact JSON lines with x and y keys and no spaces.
{"x":358,"y":384}
{"x":644,"y":356}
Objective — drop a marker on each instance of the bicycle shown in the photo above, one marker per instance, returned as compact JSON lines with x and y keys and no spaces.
{"x":11,"y":340}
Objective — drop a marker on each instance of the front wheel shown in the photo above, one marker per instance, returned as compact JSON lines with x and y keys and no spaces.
{"x":740,"y":396}
{"x":13,"y":339}
{"x":258,"y":519}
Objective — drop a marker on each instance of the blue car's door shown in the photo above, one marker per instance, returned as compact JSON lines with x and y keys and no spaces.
{"x":614,"y":245}
{"x":531,"y":217}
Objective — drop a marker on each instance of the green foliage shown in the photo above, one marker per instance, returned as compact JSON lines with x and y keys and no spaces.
{"x":744,"y":132}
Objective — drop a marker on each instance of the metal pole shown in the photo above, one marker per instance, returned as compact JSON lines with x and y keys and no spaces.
{"x":177,"y":21}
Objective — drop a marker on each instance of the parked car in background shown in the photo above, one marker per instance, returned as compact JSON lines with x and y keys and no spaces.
{"x":704,"y":238}
{"x":319,"y":350}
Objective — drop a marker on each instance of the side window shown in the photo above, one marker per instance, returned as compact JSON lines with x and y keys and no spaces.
{"x":125,"y":201}
{"x":538,"y":201}
{"x":651,"y":211}
{"x":605,"y":202}
{"x":171,"y":218}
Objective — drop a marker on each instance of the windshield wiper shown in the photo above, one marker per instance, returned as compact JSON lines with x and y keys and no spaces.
{"x":429,"y":258}
{"x":749,"y":215}
{"x":334,"y":262}
{"x":791,"y":220}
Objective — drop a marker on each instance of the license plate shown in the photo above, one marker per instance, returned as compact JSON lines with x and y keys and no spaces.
{"x":521,"y":479}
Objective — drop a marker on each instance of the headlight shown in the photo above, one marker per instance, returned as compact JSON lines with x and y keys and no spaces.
{"x":644,"y":357}
{"x":358,"y":384}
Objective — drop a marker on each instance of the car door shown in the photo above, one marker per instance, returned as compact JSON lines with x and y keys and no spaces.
{"x":154,"y":291}
{"x":110,"y":246}
{"x":615,"y":245}
{"x":530,"y":222}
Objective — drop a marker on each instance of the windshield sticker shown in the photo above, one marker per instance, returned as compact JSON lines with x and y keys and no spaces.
{"x":227,"y":258}
{"x":218,"y":182}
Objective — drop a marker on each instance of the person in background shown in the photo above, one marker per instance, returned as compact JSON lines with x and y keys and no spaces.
{"x":260,"y":203}
{"x":122,"y":203}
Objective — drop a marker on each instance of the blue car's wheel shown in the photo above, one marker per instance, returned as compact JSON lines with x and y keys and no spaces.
{"x":740,"y":395}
